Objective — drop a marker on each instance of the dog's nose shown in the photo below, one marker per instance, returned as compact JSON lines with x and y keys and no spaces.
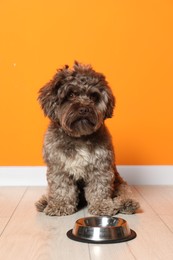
{"x":83,"y":110}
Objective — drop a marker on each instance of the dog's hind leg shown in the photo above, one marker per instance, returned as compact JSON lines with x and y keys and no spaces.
{"x":41,"y":203}
{"x":124,"y":200}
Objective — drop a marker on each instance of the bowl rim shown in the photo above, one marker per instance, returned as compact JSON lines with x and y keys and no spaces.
{"x":110,"y":241}
{"x":78,"y":221}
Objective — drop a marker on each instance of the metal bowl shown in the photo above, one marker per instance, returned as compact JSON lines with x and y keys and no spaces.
{"x":101,"y":230}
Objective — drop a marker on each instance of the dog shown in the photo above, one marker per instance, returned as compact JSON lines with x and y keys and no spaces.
{"x":77,"y":147}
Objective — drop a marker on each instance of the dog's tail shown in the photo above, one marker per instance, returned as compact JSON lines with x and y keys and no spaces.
{"x":41,"y":203}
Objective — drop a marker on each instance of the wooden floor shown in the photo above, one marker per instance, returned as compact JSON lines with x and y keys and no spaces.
{"x":26,"y":234}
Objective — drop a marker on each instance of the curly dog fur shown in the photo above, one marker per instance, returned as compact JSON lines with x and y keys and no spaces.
{"x":77,"y":148}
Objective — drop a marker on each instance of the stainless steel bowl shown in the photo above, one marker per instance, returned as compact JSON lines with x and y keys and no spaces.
{"x":101,"y":230}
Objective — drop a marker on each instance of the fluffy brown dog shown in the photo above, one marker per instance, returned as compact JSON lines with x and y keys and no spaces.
{"x":77,"y":149}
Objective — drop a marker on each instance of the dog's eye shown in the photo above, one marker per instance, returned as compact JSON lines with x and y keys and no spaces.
{"x":72,"y":94}
{"x":95,"y":96}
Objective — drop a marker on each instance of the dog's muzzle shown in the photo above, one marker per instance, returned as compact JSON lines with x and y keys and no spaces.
{"x":84,"y":110}
{"x":85,"y":116}
{"x":80,"y":120}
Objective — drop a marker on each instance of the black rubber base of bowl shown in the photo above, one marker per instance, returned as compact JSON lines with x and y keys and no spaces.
{"x":71,"y":236}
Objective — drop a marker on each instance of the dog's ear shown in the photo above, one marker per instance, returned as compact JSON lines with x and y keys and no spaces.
{"x":48,"y":94}
{"x":110,"y":103}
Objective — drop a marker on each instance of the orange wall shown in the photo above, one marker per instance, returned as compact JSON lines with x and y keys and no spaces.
{"x":130,"y":41}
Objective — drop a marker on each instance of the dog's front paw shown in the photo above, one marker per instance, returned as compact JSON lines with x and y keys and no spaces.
{"x":102,"y":208}
{"x":128,"y":206}
{"x":56,"y":210}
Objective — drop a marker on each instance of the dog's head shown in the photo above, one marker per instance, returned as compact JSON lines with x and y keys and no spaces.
{"x":79,"y":99}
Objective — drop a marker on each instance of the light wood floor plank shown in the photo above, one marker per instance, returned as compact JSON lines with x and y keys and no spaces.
{"x":3,"y":223}
{"x":9,"y":199}
{"x":154,"y":240}
{"x":31,"y":235}
{"x":160,"y":198}
{"x":110,"y":251}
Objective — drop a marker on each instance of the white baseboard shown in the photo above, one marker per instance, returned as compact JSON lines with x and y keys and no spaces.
{"x":134,"y":175}
{"x":147,"y":175}
{"x":23,"y":176}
